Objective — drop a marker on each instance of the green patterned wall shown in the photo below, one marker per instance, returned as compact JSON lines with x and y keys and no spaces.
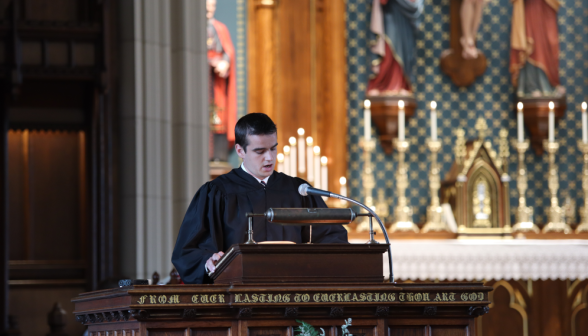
{"x":491,"y":97}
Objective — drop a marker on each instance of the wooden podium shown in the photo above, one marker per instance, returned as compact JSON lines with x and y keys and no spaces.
{"x":239,"y":308}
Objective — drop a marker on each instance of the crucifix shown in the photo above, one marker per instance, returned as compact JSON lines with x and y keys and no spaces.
{"x":463,"y":62}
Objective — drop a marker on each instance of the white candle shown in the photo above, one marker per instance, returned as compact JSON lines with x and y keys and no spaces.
{"x":401,"y":120}
{"x":317,"y":167}
{"x":520,"y":122}
{"x":280,"y":162}
{"x":309,"y":158}
{"x":551,"y":122}
{"x":301,"y":152}
{"x":293,"y":167}
{"x":324,"y":173}
{"x":367,"y":120}
{"x":433,"y":121}
{"x":287,"y":160}
{"x":584,"y":124}
{"x":343,"y":189}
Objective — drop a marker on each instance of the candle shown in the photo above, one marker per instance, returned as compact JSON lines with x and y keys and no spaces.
{"x":293,"y":167}
{"x":343,"y":189}
{"x":520,"y":132}
{"x":317,"y":166}
{"x":324,"y":173}
{"x":287,"y":160}
{"x":301,"y":152}
{"x":401,"y":120}
{"x":584,"y":124}
{"x":551,"y":122}
{"x":309,"y":158}
{"x":280,"y":163}
{"x":433,"y":121}
{"x":367,"y":120}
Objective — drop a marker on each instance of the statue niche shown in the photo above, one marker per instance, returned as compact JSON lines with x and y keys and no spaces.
{"x":476,"y":187}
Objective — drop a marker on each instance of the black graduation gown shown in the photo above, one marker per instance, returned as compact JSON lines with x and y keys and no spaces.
{"x":215,"y":219}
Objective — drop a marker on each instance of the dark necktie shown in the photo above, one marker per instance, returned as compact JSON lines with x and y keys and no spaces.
{"x":262,"y":183}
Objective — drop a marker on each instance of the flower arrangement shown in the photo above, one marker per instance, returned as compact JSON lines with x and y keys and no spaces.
{"x":306,"y":329}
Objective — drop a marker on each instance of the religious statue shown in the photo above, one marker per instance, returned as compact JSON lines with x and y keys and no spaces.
{"x":394,"y":24}
{"x":534,"y":51}
{"x":222,"y":85}
{"x":471,"y":15}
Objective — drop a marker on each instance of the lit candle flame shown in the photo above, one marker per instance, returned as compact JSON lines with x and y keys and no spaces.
{"x":292,"y":141}
{"x":584,"y":106}
{"x":433,"y":104}
{"x":309,"y":141}
{"x":551,"y":105}
{"x":367,"y":104}
{"x":324,"y":160}
{"x":286,"y":149}
{"x":343,"y":180}
{"x":401,"y":104}
{"x":280,"y":157}
{"x":520,"y":106}
{"x":317,"y":150}
{"x":301,"y":131}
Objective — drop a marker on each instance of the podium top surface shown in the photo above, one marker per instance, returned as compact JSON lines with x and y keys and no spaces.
{"x":301,"y":263}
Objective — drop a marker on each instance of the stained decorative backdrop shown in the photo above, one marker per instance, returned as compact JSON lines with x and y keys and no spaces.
{"x":491,"y":97}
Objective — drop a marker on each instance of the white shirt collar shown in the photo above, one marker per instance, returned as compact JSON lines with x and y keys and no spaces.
{"x":258,"y":180}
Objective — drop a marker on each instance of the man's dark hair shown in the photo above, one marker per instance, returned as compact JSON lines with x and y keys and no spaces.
{"x":253,"y":124}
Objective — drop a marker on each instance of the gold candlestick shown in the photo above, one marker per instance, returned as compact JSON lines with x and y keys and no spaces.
{"x":555,"y":212}
{"x":403,"y":212}
{"x":583,"y":227}
{"x":524,"y":214}
{"x":369,"y":183}
{"x":434,"y":211}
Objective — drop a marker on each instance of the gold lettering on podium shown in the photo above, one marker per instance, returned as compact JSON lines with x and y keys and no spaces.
{"x":174,"y":299}
{"x":142,"y":299}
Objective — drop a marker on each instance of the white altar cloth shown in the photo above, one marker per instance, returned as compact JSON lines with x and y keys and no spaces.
{"x":485,"y":259}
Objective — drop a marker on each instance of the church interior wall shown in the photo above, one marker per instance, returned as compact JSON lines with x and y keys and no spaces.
{"x":491,"y":97}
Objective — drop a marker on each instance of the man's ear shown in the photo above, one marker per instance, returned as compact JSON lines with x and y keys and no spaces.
{"x":240,"y":151}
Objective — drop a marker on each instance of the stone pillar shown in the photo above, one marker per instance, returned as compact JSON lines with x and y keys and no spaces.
{"x":163,"y":126}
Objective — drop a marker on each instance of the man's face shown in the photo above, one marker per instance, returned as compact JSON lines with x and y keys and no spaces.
{"x":210,"y":8}
{"x":260,"y":158}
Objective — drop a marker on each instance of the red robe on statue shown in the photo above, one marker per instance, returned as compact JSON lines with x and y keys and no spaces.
{"x":225,"y":89}
{"x":534,"y":38}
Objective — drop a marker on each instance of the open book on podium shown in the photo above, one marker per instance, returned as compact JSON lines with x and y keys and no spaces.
{"x":301,"y":263}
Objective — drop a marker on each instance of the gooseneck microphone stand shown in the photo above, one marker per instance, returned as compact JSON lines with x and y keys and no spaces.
{"x":374,"y":215}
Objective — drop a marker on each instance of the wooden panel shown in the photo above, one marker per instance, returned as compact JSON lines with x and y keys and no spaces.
{"x":449,"y":331}
{"x":167,"y":332}
{"x":407,"y":331}
{"x":268,"y":331}
{"x":211,"y":332}
{"x":361,"y":331}
{"x":503,"y":319}
{"x":17,"y":194}
{"x":51,"y":10}
{"x":55,"y":198}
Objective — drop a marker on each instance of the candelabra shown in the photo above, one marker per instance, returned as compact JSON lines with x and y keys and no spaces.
{"x":369,"y":183}
{"x":583,"y":227}
{"x":524,"y":214}
{"x":403,"y":212}
{"x":434,"y":211}
{"x":555,"y":212}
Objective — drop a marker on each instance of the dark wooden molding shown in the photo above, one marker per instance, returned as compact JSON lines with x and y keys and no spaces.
{"x":336,"y":312}
{"x":139,"y":314}
{"x":245,"y":312}
{"x":430,"y":310}
{"x":385,"y":117}
{"x":382,"y":311}
{"x":478,"y":310}
{"x":536,"y":116}
{"x":291,"y":312}
{"x":4,"y":235}
{"x":189,"y":314}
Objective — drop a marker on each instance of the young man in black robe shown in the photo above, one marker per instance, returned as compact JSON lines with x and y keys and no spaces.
{"x":215,"y":219}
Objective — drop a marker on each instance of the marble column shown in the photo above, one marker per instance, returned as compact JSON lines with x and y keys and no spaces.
{"x":164,"y":126}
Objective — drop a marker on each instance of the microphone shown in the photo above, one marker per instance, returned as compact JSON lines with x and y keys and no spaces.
{"x":305,"y":190}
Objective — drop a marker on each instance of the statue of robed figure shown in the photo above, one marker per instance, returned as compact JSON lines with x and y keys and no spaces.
{"x":222,"y":85}
{"x":394,"y":26}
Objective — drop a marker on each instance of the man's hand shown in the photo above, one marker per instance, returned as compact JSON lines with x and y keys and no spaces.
{"x":211,"y":262}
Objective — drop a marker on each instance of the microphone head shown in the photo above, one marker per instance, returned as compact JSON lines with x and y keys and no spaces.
{"x":303,"y":188}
